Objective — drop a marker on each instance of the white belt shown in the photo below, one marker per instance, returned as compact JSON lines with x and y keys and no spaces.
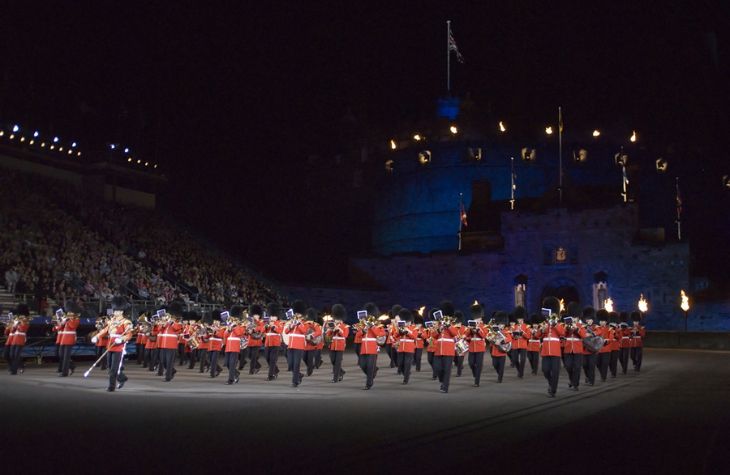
{"x":295,"y":334}
{"x":215,"y":339}
{"x":551,"y":339}
{"x":17,"y":334}
{"x":114,"y":335}
{"x":406,"y":340}
{"x":534,"y":341}
{"x":625,"y":337}
{"x":573,"y":339}
{"x":67,"y":332}
{"x":233,"y":338}
{"x":445,"y":339}
{"x":476,"y":339}
{"x":369,"y":339}
{"x":169,"y":335}
{"x":272,"y":334}
{"x":338,"y":337}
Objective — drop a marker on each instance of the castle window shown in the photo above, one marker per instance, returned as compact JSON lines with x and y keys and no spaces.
{"x":520,"y":291}
{"x":600,"y":290}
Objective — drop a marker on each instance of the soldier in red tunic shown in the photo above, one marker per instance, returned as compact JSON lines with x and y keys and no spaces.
{"x":168,"y":338}
{"x":445,"y":343}
{"x":638,"y":333}
{"x":337,"y":332}
{"x":119,"y":332}
{"x":550,"y":333}
{"x":500,"y":338}
{"x":272,"y":342}
{"x":405,"y":342}
{"x":521,"y":334}
{"x":17,"y":337}
{"x":69,"y":322}
{"x":533,"y":344}
{"x":296,"y":329}
{"x":476,"y":337}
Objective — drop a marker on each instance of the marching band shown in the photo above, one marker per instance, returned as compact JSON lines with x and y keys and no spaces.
{"x":567,"y":338}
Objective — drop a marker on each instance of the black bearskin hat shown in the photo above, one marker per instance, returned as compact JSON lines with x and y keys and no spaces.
{"x":459,"y":316}
{"x":255,"y":309}
{"x":447,"y":307}
{"x":175,"y":308}
{"x":635,"y":316}
{"x":552,"y":303}
{"x":519,"y":312}
{"x":477,"y":311}
{"x":573,"y":309}
{"x":501,"y":317}
{"x":405,"y":315}
{"x":589,"y":312}
{"x":339,"y":312}
{"x":535,"y":318}
{"x":311,"y":314}
{"x":274,"y":309}
{"x":395,"y":310}
{"x":299,"y":307}
{"x":372,"y":309}
{"x":73,"y":307}
{"x":602,"y":315}
{"x":236,"y":311}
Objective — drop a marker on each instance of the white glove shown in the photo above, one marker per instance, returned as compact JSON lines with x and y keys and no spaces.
{"x":94,"y":339}
{"x":118,"y":341}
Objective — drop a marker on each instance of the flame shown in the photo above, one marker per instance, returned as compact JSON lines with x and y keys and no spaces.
{"x":417,"y":137}
{"x":502,"y":128}
{"x":421,"y":310}
{"x":475,"y":302}
{"x":643,"y":304}
{"x":596,"y":133}
{"x":453,"y":129}
{"x":685,"y":302}
{"x":633,"y":136}
{"x":562,"y":305}
{"x":393,"y":146}
{"x":608,"y":305}
{"x":549,"y":130}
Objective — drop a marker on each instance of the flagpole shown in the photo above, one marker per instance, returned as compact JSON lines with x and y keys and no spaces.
{"x":560,"y":155}
{"x":512,"y":188}
{"x":679,"y":212}
{"x":448,"y":57}
{"x":461,"y":216}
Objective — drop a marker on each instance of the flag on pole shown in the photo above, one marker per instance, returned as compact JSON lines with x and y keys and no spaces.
{"x":453,"y":47}
{"x":679,"y":202}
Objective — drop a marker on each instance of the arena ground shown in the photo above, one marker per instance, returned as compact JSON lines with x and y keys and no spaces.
{"x":672,"y":417}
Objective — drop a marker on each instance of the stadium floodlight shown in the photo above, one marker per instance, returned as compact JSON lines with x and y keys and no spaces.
{"x":129,"y":159}
{"x":55,"y":139}
{"x":16,"y":128}
{"x":73,"y":145}
{"x":596,"y":133}
{"x":78,"y":154}
{"x":126,"y":149}
{"x":35,"y":134}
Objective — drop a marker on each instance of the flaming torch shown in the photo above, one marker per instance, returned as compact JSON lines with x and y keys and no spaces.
{"x":643,"y":305}
{"x":685,"y":308}
{"x":608,"y":305}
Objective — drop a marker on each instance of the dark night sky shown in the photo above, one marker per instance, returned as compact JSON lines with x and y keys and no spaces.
{"x":231,"y":98}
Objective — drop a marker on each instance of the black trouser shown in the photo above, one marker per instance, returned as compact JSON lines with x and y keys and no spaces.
{"x":534,"y":358}
{"x":357,"y":352}
{"x":498,"y":363}
{"x":253,"y":354}
{"x":58,"y":357}
{"x":623,"y":357}
{"x":213,"y":363}
{"x":16,"y":358}
{"x":602,"y":363}
{"x":203,"y":357}
{"x":139,"y":348}
{"x":309,"y":360}
{"x":231,"y":364}
{"x":180,"y":353}
{"x":429,"y":358}
{"x":168,"y":359}
{"x":511,"y":355}
{"x":100,"y":351}
{"x":66,"y":363}
{"x":589,"y":367}
{"x":271,"y":355}
{"x":574,"y":366}
{"x":551,"y":370}
{"x":520,"y":358}
{"x":317,"y":358}
{"x":295,"y":362}
{"x":613,"y":363}
{"x":476,"y":364}
{"x":637,"y":354}
{"x":116,"y":371}
{"x":193,"y":357}
{"x":154,"y":358}
{"x":392,"y":354}
{"x":367,"y":365}
{"x":417,"y":358}
{"x":242,"y":358}
{"x":336,"y":360}
{"x":405,"y":360}
{"x":6,"y":353}
{"x":459,"y":360}
{"x":443,"y":366}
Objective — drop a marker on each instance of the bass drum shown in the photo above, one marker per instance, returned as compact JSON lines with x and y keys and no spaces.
{"x":244,"y":342}
{"x":285,"y":337}
{"x":461,"y":347}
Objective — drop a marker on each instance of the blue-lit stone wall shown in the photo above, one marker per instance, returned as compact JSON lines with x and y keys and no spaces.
{"x":595,"y":241}
{"x":417,"y":209}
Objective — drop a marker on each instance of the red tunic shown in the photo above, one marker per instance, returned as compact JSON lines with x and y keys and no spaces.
{"x":317,"y":332}
{"x":407,"y":341}
{"x":369,"y":340}
{"x":114,"y":333}
{"x":68,"y":332}
{"x":151,"y":343}
{"x":169,"y":336}
{"x":521,"y":342}
{"x":444,"y":341}
{"x":574,"y":340}
{"x":19,"y":334}
{"x":339,"y":338}
{"x":495,"y":351}
{"x":296,"y":336}
{"x":273,"y":334}
{"x":258,"y":327}
{"x":475,"y":337}
{"x":637,"y":336}
{"x":233,"y":339}
{"x":216,"y":340}
{"x":551,"y":339}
